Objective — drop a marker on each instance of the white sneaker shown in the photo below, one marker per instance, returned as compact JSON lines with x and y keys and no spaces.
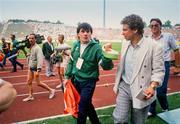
{"x":29,"y":98}
{"x":52,"y":94}
{"x":165,"y":110}
{"x":53,"y":74}
{"x":48,"y":75}
{"x":59,"y":86}
{"x":149,"y":114}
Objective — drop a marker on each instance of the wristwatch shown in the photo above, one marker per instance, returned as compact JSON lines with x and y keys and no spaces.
{"x":153,"y":86}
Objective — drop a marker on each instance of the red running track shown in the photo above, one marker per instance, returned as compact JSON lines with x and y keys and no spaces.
{"x":44,"y":107}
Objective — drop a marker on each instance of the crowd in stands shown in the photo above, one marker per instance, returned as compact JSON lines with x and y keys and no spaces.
{"x":69,"y":32}
{"x":47,"y":29}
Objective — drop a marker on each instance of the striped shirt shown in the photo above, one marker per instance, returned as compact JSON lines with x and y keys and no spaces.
{"x":130,"y":59}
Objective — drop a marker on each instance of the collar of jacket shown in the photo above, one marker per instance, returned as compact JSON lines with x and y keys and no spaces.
{"x":91,"y":42}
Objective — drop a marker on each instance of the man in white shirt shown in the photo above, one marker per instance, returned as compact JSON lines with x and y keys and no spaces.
{"x":35,"y":61}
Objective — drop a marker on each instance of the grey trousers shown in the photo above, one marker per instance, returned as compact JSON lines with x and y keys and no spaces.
{"x":49,"y":68}
{"x":124,"y":107}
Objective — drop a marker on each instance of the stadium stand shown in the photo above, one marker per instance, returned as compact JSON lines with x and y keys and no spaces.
{"x":22,"y":29}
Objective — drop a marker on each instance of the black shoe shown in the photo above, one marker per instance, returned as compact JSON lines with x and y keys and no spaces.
{"x":22,"y":67}
{"x":150,"y":115}
{"x":62,"y":88}
{"x":13,"y":70}
{"x":53,"y":74}
{"x":2,"y":68}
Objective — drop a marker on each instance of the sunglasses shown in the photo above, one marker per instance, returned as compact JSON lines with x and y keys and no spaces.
{"x":156,"y":25}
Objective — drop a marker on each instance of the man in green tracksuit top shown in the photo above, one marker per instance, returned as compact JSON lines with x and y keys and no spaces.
{"x":83,"y":70}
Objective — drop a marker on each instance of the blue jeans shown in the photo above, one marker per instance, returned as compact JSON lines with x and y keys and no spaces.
{"x":14,"y":61}
{"x":1,"y":65}
{"x":5,"y":57}
{"x":162,"y":91}
{"x":86,"y":108}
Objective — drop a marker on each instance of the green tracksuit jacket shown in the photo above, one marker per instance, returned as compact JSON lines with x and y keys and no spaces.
{"x":90,"y":67}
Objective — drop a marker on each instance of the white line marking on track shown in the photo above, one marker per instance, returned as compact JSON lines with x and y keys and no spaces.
{"x":45,"y":92}
{"x":25,"y":75}
{"x":22,"y":83}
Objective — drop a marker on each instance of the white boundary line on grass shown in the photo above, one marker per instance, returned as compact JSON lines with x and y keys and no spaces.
{"x":64,"y":115}
{"x":57,"y":116}
{"x":173,"y":93}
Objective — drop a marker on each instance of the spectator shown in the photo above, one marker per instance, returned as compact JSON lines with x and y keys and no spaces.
{"x":6,"y":49}
{"x":168,"y":43}
{"x":139,"y":72}
{"x":35,"y":60}
{"x":48,"y":50}
{"x":1,"y":59}
{"x":13,"y":52}
{"x":83,"y":70}
{"x":1,"y":65}
{"x":7,"y":95}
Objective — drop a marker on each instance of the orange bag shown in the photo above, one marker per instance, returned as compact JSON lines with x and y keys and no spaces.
{"x":71,"y":99}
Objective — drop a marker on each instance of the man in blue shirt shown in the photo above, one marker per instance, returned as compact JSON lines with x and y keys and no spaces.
{"x":168,"y":43}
